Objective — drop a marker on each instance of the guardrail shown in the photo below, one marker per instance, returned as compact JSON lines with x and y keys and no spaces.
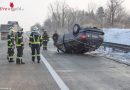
{"x":116,"y":46}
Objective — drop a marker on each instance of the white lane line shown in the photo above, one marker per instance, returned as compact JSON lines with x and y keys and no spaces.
{"x":55,"y":76}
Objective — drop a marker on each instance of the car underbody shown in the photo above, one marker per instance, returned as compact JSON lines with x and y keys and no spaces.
{"x":86,"y":40}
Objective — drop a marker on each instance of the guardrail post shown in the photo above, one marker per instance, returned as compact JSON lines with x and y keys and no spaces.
{"x":113,"y":49}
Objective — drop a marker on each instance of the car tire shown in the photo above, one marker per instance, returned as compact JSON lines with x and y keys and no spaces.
{"x":76,"y":29}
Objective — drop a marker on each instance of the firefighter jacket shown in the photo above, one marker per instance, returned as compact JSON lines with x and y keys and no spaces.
{"x":10,"y":41}
{"x":45,"y":37}
{"x":35,"y":38}
{"x":19,"y":39}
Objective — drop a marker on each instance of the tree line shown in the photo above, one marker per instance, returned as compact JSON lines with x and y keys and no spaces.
{"x":62,"y":17}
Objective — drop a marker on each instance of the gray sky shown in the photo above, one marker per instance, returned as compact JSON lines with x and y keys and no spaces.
{"x":36,"y":10}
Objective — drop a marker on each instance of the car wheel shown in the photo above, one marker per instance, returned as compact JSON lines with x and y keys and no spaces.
{"x":76,"y":29}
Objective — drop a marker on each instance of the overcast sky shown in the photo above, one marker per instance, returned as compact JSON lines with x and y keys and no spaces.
{"x":36,"y":10}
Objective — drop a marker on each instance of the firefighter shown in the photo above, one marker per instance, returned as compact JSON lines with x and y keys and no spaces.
{"x":45,"y":38}
{"x":20,"y":46}
{"x":35,"y":42}
{"x":11,"y":45}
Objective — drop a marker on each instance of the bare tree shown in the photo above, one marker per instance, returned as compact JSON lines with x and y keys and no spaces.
{"x":100,"y":15}
{"x":62,"y":17}
{"x":91,"y":7}
{"x":114,"y":7}
{"x":58,"y":10}
{"x":70,"y":18}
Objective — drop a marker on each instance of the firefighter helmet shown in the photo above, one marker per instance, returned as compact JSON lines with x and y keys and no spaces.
{"x":35,"y":29}
{"x":20,"y":30}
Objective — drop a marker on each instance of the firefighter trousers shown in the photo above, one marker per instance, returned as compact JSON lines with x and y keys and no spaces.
{"x":10,"y":53}
{"x":44,"y":45}
{"x":35,"y":51}
{"x":19,"y":55}
{"x":19,"y":52}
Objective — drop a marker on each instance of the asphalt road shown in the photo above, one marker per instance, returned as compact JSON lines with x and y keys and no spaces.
{"x":88,"y":72}
{"x":31,"y":76}
{"x":78,"y":72}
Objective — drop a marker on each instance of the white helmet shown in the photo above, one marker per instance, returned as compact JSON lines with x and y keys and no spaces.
{"x":35,"y":29}
{"x":20,"y":30}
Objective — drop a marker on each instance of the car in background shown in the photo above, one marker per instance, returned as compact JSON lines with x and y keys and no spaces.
{"x":81,"y":40}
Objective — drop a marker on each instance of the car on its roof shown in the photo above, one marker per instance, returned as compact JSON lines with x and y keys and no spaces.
{"x":81,"y":40}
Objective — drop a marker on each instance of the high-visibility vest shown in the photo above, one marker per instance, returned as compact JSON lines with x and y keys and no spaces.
{"x":45,"y":37}
{"x":10,"y":39}
{"x":19,"y":39}
{"x":35,"y":38}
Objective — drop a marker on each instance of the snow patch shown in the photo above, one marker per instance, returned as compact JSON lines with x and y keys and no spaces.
{"x":115,"y":35}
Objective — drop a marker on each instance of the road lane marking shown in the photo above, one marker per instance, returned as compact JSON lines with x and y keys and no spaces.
{"x":55,"y":76}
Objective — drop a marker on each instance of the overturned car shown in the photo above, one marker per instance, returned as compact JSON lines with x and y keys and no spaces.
{"x":81,"y":40}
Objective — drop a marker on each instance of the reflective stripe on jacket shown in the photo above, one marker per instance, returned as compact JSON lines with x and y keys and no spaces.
{"x":35,"y":38}
{"x":19,"y":39}
{"x":10,"y":42}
